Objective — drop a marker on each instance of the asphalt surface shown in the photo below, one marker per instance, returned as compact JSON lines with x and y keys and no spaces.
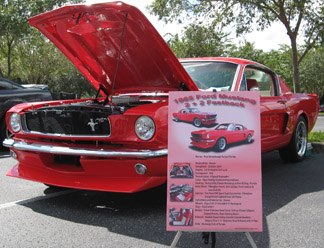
{"x":32,"y":215}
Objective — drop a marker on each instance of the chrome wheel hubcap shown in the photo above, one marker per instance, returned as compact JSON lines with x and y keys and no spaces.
{"x":301,"y":139}
{"x":197,"y":122}
{"x":222,"y":144}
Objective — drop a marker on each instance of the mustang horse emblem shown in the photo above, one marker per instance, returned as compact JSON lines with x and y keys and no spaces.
{"x":92,"y":124}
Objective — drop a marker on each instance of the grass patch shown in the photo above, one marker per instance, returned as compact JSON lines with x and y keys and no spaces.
{"x":317,"y":136}
{"x":321,"y":113}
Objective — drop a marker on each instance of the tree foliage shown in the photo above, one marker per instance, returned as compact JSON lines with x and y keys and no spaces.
{"x":14,"y":26}
{"x":26,"y":56}
{"x":199,"y":41}
{"x":301,"y":18}
{"x":312,"y":72}
{"x":38,"y":61}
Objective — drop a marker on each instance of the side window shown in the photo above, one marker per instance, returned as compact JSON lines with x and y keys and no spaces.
{"x":260,"y":80}
{"x":14,"y":87}
{"x":243,"y":86}
{"x":238,"y":128}
{"x":5,"y":85}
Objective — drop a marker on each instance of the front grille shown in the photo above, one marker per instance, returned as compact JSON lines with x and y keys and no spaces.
{"x":196,"y":135}
{"x":211,"y":117}
{"x":67,"y":122}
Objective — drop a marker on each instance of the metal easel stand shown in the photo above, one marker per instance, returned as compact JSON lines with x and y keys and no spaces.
{"x":250,"y":239}
{"x":179,"y":233}
{"x":176,"y":239}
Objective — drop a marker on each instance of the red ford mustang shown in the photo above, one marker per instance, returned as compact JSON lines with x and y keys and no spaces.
{"x":222,"y":135}
{"x":118,"y":141}
{"x":195,"y":116}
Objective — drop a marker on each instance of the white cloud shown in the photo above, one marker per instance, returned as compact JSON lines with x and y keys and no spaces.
{"x":271,"y":38}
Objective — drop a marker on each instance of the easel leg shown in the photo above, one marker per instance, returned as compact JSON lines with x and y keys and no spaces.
{"x":213,"y":238}
{"x":176,"y":239}
{"x":250,"y":239}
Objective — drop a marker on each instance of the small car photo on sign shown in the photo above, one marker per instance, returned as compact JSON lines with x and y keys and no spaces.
{"x":222,"y":136}
{"x":181,"y":217}
{"x":195,"y":117}
{"x":181,"y":193}
{"x":181,"y":170}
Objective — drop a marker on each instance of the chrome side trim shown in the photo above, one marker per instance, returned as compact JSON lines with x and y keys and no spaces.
{"x":236,"y":77}
{"x":66,"y":135}
{"x":34,"y":147}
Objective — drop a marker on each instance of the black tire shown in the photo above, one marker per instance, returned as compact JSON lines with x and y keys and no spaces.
{"x":249,"y":138}
{"x":221,"y":144}
{"x":197,"y":122}
{"x":4,"y":132}
{"x":296,"y":149}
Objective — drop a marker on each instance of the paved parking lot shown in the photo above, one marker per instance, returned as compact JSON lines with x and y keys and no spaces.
{"x":32,"y":215}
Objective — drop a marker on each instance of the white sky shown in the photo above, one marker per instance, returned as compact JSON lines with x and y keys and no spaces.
{"x":266,"y":40}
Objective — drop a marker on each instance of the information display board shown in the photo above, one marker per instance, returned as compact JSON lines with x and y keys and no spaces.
{"x":214,"y":162}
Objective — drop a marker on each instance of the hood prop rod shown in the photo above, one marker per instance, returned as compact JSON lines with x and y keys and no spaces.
{"x":98,"y":91}
{"x":119,"y":55}
{"x":183,"y":87}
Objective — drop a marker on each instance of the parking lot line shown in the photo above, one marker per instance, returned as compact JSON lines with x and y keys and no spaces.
{"x":38,"y":198}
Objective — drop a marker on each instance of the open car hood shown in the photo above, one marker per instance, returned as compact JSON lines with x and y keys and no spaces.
{"x":91,"y":37}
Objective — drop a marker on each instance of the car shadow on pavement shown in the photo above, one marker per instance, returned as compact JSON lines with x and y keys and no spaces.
{"x":143,"y":215}
{"x":4,"y":153}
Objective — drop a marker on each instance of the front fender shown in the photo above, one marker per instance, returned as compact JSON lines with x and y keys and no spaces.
{"x":8,"y":104}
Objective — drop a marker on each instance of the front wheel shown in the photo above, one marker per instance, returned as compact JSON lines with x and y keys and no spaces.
{"x":296,"y":149}
{"x":197,"y":122}
{"x":249,"y":138}
{"x":221,"y":144}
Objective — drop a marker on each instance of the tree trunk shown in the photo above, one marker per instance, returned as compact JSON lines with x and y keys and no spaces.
{"x":1,"y":73}
{"x":295,"y":64}
{"x":9,"y":58}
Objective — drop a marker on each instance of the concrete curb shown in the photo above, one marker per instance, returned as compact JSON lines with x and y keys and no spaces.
{"x":317,"y":147}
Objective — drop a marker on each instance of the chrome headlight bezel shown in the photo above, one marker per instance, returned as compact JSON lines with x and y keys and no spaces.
{"x":14,"y":122}
{"x":144,"y":127}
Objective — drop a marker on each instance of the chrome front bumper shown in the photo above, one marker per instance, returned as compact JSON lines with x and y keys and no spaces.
{"x":34,"y":147}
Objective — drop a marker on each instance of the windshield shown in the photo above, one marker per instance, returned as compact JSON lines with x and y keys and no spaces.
{"x":227,"y":127}
{"x":210,"y":76}
{"x":193,"y":110}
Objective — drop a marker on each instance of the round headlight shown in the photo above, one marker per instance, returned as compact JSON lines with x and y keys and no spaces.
{"x":207,"y":136}
{"x":15,"y":122}
{"x":144,"y":128}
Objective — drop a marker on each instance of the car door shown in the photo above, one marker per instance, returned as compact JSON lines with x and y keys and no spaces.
{"x":181,"y":115}
{"x":273,"y":106}
{"x":240,"y":133}
{"x":187,"y":116}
